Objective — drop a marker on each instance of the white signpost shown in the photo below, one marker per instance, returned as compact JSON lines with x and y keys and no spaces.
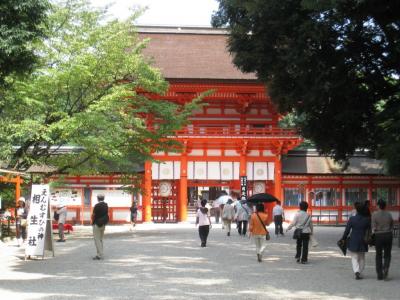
{"x":40,"y":237}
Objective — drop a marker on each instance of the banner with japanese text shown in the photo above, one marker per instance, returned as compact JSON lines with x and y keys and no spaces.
{"x":243,"y":187}
{"x":37,"y":220}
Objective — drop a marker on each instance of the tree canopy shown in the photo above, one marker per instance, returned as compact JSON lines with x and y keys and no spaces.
{"x":333,"y":63}
{"x":85,"y":94}
{"x":20,"y":26}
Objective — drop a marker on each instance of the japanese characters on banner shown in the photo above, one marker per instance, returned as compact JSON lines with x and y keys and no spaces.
{"x":37,"y":220}
{"x":243,"y":187}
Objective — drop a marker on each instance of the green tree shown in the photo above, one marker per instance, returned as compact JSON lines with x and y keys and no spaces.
{"x":84,"y":94}
{"x":333,"y":63}
{"x":7,"y":195}
{"x":20,"y":26}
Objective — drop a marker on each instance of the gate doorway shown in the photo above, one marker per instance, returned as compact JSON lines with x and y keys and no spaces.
{"x":209,"y":193}
{"x":207,"y":189}
{"x":164,"y":209}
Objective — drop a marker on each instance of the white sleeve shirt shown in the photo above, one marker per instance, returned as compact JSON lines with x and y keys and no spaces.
{"x":277,"y":210}
{"x":203,"y":218}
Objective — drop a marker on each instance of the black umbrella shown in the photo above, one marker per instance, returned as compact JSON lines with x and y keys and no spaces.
{"x":261,"y":198}
{"x":342,"y":244}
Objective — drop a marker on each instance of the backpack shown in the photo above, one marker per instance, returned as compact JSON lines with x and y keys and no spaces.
{"x":56,"y":216}
{"x":103,"y":220}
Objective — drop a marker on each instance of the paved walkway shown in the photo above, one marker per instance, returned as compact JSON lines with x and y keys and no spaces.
{"x":166,"y":262}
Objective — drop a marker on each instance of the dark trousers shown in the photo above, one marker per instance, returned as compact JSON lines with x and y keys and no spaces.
{"x":278,"y":224}
{"x":242,"y":227}
{"x":383,"y":245}
{"x":302,"y":247}
{"x":203,"y":233}
{"x":61,"y":231}
{"x":20,"y":230}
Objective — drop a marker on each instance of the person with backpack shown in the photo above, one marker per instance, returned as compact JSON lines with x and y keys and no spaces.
{"x":99,"y":221}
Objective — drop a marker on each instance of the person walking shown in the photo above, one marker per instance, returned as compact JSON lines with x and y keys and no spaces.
{"x":21,"y":215}
{"x":99,"y":221}
{"x":204,"y":222}
{"x":382,"y":227}
{"x":258,"y":231}
{"x":228,"y":215}
{"x":243,"y":213}
{"x":216,"y":211}
{"x":62,"y":217}
{"x":357,"y":226}
{"x":278,"y":215}
{"x":133,"y":214}
{"x":302,"y":220}
{"x":219,"y":204}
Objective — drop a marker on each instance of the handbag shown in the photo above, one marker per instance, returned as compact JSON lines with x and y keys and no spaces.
{"x":56,"y":216}
{"x":369,"y":237}
{"x":298,"y":231}
{"x":24,"y":222}
{"x":342,"y":244}
{"x":267,"y":236}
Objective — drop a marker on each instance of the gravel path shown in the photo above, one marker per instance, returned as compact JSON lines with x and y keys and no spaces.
{"x":165,"y":262}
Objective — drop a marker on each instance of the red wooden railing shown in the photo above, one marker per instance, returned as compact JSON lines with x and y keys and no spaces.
{"x":229,"y":131}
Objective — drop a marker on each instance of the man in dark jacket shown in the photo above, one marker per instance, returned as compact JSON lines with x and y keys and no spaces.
{"x":99,"y":221}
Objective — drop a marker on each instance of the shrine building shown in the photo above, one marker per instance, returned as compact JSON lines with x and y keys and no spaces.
{"x":234,"y":134}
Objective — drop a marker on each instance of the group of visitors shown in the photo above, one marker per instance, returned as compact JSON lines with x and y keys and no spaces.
{"x":363,"y":229}
{"x":359,"y":226}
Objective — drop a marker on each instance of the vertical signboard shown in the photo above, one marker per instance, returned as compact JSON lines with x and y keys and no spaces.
{"x":39,"y":222}
{"x":243,"y":187}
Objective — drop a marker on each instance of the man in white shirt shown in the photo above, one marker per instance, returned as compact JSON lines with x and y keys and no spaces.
{"x":62,"y":216}
{"x":278,"y":214}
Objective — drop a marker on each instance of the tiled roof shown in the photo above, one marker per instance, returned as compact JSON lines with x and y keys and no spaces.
{"x":308,"y":162}
{"x":191,"y":53}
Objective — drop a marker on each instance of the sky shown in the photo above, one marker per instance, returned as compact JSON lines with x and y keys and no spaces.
{"x":164,"y":12}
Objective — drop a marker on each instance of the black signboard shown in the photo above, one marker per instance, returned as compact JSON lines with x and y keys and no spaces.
{"x":243,"y":187}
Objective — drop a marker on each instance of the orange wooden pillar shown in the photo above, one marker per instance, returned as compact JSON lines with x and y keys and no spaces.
{"x":242,"y":165}
{"x":183,"y":185}
{"x":278,"y":177}
{"x":17,"y":189}
{"x":243,"y":162}
{"x":147,"y":192}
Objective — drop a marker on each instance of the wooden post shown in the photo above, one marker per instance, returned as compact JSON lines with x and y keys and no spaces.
{"x":147,"y":192}
{"x":278,"y":177}
{"x":17,"y":189}
{"x":243,"y":165}
{"x":183,"y":197}
{"x":341,"y":201}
